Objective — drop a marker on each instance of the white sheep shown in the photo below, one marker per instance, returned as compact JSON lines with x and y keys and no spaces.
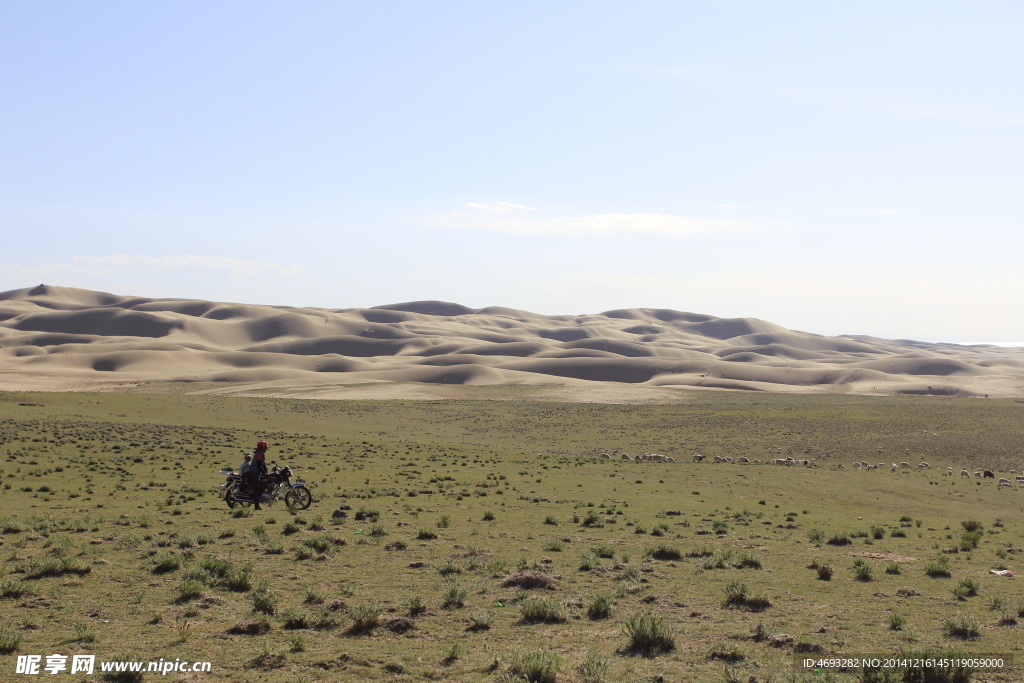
{"x":1003,"y":482}
{"x":905,"y":465}
{"x":964,"y":474}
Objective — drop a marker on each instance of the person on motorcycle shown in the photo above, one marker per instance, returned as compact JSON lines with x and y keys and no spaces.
{"x":243,"y":470}
{"x":257,"y":469}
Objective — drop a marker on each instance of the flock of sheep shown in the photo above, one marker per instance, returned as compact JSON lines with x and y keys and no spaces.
{"x":646,"y":457}
{"x":964,"y":474}
{"x":862,"y":465}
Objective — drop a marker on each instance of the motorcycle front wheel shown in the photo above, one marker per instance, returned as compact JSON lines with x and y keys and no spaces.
{"x":298,"y":497}
{"x":229,"y":499}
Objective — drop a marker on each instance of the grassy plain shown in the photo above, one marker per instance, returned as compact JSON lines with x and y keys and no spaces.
{"x":115,"y":542}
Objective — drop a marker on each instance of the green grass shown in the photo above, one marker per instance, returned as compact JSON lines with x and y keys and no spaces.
{"x":111,"y":517}
{"x":649,"y":634}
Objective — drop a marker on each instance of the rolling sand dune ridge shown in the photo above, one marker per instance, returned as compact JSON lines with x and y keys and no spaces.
{"x":65,"y":338}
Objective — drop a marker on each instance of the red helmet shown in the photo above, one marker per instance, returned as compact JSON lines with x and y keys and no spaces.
{"x":261,"y":446}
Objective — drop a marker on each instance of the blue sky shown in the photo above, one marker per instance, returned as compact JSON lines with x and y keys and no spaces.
{"x":831,"y":167}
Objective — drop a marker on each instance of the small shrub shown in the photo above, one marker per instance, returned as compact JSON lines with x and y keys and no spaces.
{"x":444,"y":522}
{"x":963,"y":626}
{"x":480,"y":622}
{"x":969,"y":585}
{"x":972,"y":525}
{"x":896,"y":621}
{"x":748,"y":561}
{"x":297,"y":643}
{"x":168,"y":562}
{"x":649,"y":634}
{"x":10,"y":641}
{"x":550,"y":519}
{"x":665,"y":551}
{"x":426,"y":535}
{"x":877,"y":532}
{"x":816,"y":536}
{"x":938,"y":568}
{"x":365,"y":617}
{"x":593,"y":669}
{"x":312,"y":595}
{"x":488,"y":516}
{"x":15,"y":589}
{"x":263,"y":602}
{"x":190,"y":589}
{"x":454,"y":597}
{"x":538,"y":610}
{"x":600,"y":607}
{"x":839,"y":539}
{"x":892,"y":568}
{"x":898,"y":533}
{"x":296,"y":618}
{"x":414,"y":606}
{"x":538,"y":666}
{"x":825,"y":572}
{"x":863,"y":573}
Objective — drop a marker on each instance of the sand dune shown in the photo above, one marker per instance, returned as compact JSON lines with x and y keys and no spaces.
{"x":63,"y":337}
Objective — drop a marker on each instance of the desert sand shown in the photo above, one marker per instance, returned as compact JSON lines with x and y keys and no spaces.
{"x":57,"y":338}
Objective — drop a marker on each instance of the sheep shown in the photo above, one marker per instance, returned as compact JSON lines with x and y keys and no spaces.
{"x":964,"y":474}
{"x":948,"y":472}
{"x":756,"y":461}
{"x":697,"y":457}
{"x":881,"y":465}
{"x":606,"y":456}
{"x":905,"y":465}
{"x":1020,"y":481}
{"x":871,"y":467}
{"x":894,"y":467}
{"x":923,"y":466}
{"x":863,"y":463}
{"x":857,"y":465}
{"x":669,"y":458}
{"x":988,"y":475}
{"x":977,"y":475}
{"x":1003,"y":482}
{"x":728,"y":458}
{"x":626,"y":458}
{"x":719,"y":458}
{"x":744,"y":459}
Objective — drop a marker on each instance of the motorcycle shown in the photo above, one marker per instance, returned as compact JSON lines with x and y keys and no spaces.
{"x":237,"y":490}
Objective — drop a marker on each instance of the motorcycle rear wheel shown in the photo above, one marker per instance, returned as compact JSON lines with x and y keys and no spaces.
{"x":298,"y":497}
{"x":229,"y":499}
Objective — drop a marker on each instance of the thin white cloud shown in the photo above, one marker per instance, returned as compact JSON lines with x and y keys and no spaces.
{"x":591,"y":224}
{"x":888,"y":212}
